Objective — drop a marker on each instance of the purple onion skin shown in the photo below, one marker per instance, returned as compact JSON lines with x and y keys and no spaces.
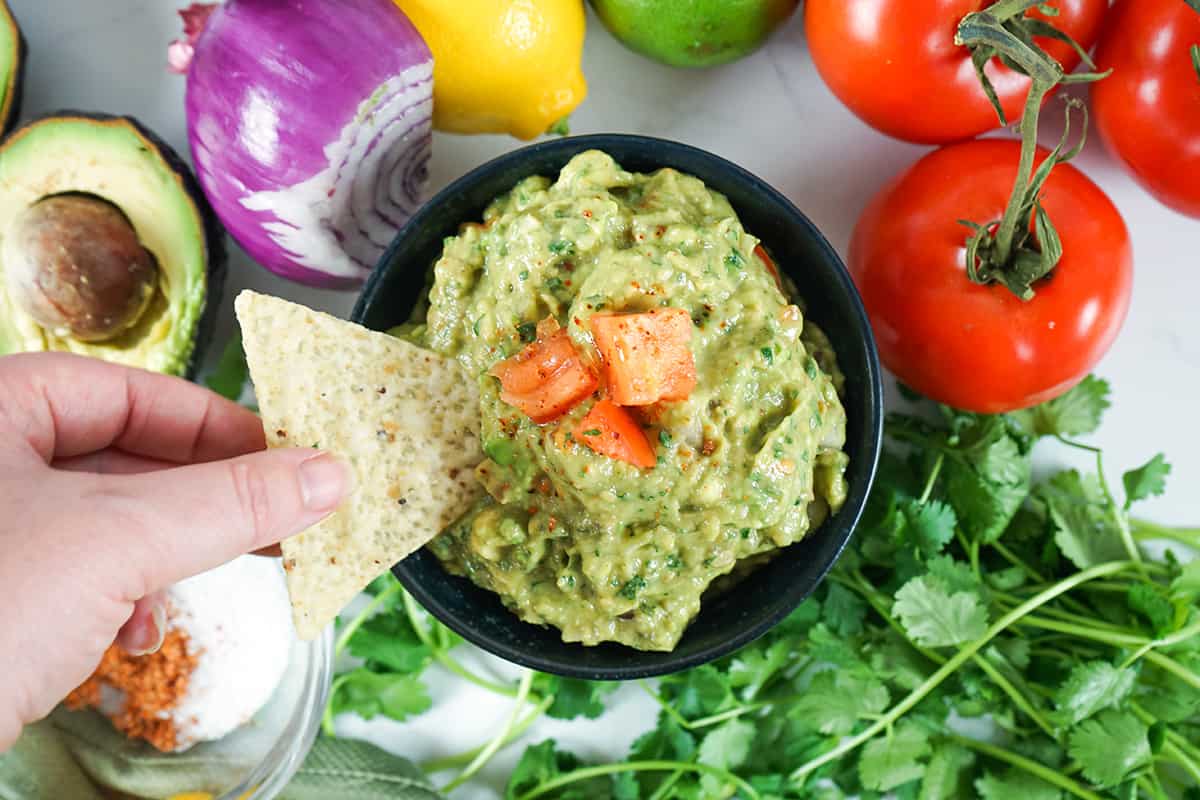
{"x":272,"y":83}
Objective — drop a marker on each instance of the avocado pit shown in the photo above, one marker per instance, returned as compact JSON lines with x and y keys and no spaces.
{"x":75,"y":265}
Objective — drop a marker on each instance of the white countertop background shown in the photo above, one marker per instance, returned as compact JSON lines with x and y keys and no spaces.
{"x":771,"y":114}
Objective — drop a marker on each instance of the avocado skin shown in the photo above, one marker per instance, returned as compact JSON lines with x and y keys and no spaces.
{"x":18,"y":77}
{"x":214,"y":232}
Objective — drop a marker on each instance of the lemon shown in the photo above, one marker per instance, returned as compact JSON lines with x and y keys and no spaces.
{"x":693,"y":33}
{"x":191,"y":796}
{"x":502,"y":66}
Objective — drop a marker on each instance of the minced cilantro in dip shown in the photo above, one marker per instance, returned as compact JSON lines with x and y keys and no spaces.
{"x":636,"y":457}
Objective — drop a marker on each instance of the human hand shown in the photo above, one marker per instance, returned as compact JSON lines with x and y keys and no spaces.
{"x":114,"y":484}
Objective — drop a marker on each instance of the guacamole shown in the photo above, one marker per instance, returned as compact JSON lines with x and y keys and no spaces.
{"x":748,"y":463}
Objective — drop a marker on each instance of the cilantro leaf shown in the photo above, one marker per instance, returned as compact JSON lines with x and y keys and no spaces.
{"x":1145,"y":600}
{"x":667,"y":740}
{"x":987,"y":487}
{"x":1084,"y":531}
{"x":930,"y":526}
{"x":754,"y":666}
{"x":1109,"y":747}
{"x":888,"y":761}
{"x":933,"y":617}
{"x":625,"y":787}
{"x":369,"y":694}
{"x":726,"y":747}
{"x":1091,"y":687}
{"x":843,"y":610}
{"x":539,"y":763}
{"x":1015,"y":784}
{"x":228,"y":377}
{"x":1148,"y":480}
{"x":835,"y":701}
{"x":944,"y":778}
{"x":954,"y":575}
{"x":387,"y":641}
{"x":1185,"y":588}
{"x":698,"y":692}
{"x":1074,"y":413}
{"x":573,"y":697}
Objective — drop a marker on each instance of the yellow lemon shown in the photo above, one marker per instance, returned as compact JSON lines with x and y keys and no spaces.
{"x":502,"y":66}
{"x":191,"y":796}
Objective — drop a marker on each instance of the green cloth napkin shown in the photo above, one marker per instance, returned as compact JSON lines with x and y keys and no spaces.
{"x":72,"y":755}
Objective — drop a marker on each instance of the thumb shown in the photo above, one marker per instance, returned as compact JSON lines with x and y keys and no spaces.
{"x":190,"y":519}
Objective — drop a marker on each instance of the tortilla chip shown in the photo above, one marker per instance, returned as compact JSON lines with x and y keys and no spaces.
{"x":404,"y":418}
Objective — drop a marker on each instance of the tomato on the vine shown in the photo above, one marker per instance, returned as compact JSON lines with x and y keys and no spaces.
{"x":894,"y":63}
{"x":981,"y":347}
{"x":1148,"y":110}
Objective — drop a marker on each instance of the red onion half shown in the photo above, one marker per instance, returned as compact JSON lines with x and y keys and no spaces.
{"x":309,"y":125}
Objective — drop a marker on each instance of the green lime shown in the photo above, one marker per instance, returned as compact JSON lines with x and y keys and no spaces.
{"x":693,"y":33}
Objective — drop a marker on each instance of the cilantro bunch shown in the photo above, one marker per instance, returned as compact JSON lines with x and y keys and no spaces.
{"x":985,"y":635}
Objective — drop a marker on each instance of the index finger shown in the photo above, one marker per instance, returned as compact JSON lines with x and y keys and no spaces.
{"x":65,"y":405}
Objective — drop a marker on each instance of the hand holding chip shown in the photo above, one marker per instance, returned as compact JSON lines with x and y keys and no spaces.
{"x":114,"y":484}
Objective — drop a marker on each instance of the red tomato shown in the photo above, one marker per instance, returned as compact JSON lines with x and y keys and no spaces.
{"x":646,"y":355}
{"x":547,"y":378}
{"x":612,"y":431}
{"x":894,"y":63}
{"x":981,"y":348}
{"x":1148,"y":110}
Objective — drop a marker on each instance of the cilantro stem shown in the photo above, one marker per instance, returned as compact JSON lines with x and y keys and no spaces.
{"x":356,"y":623}
{"x":661,"y":792}
{"x":641,"y":766}
{"x":1015,"y":694}
{"x":1028,"y":765}
{"x":1144,"y":529}
{"x":1017,"y":561}
{"x":1115,"y":511}
{"x":462,"y":759}
{"x":932,"y":479}
{"x":1172,"y":745}
{"x":443,"y":657}
{"x":1174,"y":667}
{"x":680,"y":720}
{"x":1067,"y":616}
{"x":498,"y":740}
{"x":327,"y":714}
{"x":342,"y":641}
{"x":1181,"y":635}
{"x":956,"y":661}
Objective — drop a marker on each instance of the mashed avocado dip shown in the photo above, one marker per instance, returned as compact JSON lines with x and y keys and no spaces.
{"x":749,"y":462}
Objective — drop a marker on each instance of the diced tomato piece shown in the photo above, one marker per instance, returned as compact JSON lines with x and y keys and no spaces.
{"x":761,"y":252}
{"x":612,"y":431}
{"x":547,"y":378}
{"x":646,"y":355}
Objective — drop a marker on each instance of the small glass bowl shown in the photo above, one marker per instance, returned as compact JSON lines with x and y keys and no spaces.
{"x":293,"y":713}
{"x":255,"y":761}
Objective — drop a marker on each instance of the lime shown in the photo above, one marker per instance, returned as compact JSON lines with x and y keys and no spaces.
{"x":693,"y":33}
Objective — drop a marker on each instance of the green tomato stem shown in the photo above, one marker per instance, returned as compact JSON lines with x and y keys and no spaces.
{"x":641,"y":766}
{"x":498,"y":740}
{"x":1028,"y":765}
{"x":956,"y":661}
{"x":1012,"y":212}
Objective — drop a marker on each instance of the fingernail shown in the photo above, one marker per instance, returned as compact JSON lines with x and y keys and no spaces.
{"x":155,"y":632}
{"x":324,"y":481}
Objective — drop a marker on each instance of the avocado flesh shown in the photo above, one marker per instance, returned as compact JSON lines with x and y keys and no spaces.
{"x":114,"y":159}
{"x":12,"y":64}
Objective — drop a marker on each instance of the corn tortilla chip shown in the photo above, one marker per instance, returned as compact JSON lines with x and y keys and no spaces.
{"x":406,"y":420}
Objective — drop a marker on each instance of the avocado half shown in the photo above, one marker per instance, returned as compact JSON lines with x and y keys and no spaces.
{"x":12,"y":67}
{"x":117,"y":160}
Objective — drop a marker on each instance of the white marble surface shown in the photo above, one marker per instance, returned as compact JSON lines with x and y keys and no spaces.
{"x":769,"y":113}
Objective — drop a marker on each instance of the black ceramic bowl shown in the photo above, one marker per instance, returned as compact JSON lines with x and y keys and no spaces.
{"x":737,"y":617}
